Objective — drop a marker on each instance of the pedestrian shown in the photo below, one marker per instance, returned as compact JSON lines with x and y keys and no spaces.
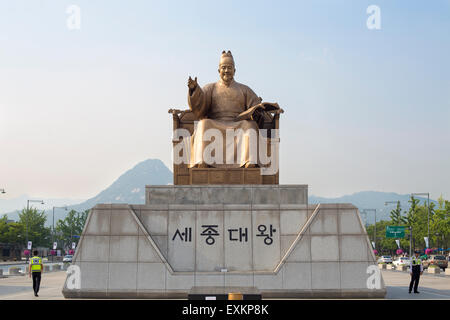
{"x":416,"y":270}
{"x":35,"y":271}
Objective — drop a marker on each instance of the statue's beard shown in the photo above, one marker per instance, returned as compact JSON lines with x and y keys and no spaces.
{"x":227,"y":78}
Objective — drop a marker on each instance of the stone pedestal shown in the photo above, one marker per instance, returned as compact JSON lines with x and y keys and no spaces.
{"x":256,"y":236}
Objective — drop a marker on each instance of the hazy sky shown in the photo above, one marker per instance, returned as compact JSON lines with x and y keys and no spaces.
{"x":364,"y":109}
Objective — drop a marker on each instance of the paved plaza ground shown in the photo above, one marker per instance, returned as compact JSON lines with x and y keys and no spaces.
{"x":433,"y":287}
{"x":21,"y":287}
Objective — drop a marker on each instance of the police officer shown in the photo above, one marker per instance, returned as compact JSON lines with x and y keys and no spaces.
{"x":416,"y":269}
{"x":36,"y":268}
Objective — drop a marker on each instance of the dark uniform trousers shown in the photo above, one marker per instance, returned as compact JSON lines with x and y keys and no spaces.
{"x":415,"y":278}
{"x":36,"y":281}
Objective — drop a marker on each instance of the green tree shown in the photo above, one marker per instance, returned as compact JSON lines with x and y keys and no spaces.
{"x":33,"y":223}
{"x":11,"y":235}
{"x":11,"y":232}
{"x":440,"y":224}
{"x":71,"y":225}
{"x":396,"y":216}
{"x":417,"y":218}
{"x":3,"y":229}
{"x":420,"y":224}
{"x":411,"y":217}
{"x":16,"y":234}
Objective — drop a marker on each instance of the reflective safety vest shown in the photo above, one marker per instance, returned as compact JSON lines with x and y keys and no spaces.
{"x":416,"y":265}
{"x":36,"y":263}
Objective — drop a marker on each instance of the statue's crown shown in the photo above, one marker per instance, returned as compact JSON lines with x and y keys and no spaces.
{"x":226,"y":56}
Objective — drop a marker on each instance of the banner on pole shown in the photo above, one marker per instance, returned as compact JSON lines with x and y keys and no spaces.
{"x":74,"y":245}
{"x":55,"y":245}
{"x":30,"y":244}
{"x":373,"y":244}
{"x":398,"y":243}
{"x":426,"y":241}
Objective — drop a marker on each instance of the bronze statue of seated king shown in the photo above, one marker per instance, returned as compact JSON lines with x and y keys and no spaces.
{"x":225,"y":121}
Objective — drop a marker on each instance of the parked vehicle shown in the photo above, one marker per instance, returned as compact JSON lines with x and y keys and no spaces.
{"x":385,"y":259}
{"x":437,"y":260}
{"x":401,"y":261}
{"x":68,"y":258}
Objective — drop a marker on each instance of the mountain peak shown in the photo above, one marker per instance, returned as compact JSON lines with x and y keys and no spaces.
{"x":130,"y":186}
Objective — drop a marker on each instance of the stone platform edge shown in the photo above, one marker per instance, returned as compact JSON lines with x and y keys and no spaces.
{"x":227,"y":194}
{"x":266,"y":294}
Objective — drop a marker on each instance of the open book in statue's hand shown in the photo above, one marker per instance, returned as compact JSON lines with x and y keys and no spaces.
{"x":255,"y":112}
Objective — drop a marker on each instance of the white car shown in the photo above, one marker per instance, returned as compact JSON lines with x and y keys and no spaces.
{"x":401,"y":261}
{"x":67,"y":258}
{"x":385,"y":259}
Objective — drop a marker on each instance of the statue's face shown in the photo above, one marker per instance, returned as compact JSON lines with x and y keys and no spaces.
{"x":226,"y":71}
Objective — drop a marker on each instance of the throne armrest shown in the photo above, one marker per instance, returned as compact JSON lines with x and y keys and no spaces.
{"x":277,"y":111}
{"x":183,"y":119}
{"x":179,"y":113}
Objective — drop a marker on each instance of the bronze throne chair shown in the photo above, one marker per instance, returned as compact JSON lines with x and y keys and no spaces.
{"x":182,"y":175}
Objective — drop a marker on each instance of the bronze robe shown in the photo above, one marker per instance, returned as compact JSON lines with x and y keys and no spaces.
{"x":217,"y":106}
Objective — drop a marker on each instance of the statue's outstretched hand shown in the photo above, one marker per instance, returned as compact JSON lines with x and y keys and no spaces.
{"x":192,"y":84}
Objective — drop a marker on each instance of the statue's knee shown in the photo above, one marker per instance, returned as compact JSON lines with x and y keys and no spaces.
{"x":202,"y":124}
{"x":250,"y":125}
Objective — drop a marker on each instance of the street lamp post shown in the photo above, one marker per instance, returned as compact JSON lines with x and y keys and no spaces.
{"x":53,"y":227}
{"x":437,"y":237}
{"x":375,"y":225}
{"x":410,"y":242}
{"x":26,"y":220}
{"x":365,"y":219}
{"x":428,"y":223}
